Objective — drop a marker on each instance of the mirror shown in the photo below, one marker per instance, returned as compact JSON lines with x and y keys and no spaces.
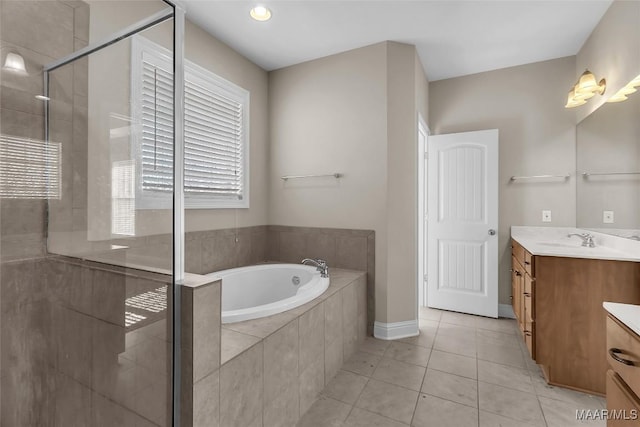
{"x":608,"y":168}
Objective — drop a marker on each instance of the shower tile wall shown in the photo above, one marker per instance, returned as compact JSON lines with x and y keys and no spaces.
{"x":22,"y":222}
{"x":69,"y":356}
{"x":40,"y":32}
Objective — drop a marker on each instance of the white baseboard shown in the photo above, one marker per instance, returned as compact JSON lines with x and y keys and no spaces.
{"x":505,"y":310}
{"x":397,"y":330}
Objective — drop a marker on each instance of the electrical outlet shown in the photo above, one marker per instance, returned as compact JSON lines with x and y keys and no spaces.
{"x":546,"y":216}
{"x":607,"y":217}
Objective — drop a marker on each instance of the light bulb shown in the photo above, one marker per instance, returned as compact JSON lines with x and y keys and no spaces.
{"x":260,"y":13}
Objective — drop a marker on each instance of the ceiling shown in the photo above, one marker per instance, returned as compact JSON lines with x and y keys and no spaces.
{"x":453,"y":38}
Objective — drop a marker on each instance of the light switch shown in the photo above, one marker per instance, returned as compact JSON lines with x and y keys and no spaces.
{"x":607,"y":217}
{"x":546,"y":216}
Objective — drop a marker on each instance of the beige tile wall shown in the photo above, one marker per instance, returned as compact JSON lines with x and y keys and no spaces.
{"x":200,"y":354}
{"x":67,"y":356}
{"x":341,"y":248}
{"x":61,"y":30}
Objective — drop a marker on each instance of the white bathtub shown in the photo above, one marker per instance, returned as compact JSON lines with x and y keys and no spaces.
{"x":263,"y":290}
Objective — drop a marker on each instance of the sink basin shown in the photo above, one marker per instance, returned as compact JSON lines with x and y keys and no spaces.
{"x":560,"y":245}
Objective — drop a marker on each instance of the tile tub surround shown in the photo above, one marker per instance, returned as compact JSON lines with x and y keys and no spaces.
{"x":200,"y":351}
{"x":215,"y":250}
{"x":553,"y":241}
{"x":341,"y":248}
{"x":274,"y":367}
{"x":449,"y":376}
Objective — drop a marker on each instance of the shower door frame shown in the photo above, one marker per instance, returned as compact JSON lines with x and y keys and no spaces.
{"x":177,"y":12}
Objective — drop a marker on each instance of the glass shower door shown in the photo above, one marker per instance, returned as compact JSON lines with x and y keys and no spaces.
{"x":87,"y":321}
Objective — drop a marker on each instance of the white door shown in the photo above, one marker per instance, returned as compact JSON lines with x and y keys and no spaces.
{"x":462,"y":208}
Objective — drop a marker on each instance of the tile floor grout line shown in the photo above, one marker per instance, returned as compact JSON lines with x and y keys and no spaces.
{"x":567,"y":400}
{"x":424,"y":377}
{"x":478,"y":385}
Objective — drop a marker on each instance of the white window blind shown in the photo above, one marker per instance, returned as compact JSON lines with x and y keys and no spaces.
{"x":29,"y":168}
{"x":216,"y":133}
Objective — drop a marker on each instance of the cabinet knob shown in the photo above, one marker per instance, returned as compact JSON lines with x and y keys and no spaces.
{"x":492,"y":232}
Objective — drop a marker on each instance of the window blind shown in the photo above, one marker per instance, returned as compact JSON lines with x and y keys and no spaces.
{"x":214,"y":133}
{"x":213,"y":143}
{"x":29,"y":168}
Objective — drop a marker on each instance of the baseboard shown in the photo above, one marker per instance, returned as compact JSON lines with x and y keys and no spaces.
{"x":505,"y":310}
{"x":397,"y":330}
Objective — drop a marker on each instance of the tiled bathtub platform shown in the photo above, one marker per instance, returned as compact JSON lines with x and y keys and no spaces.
{"x":274,"y":367}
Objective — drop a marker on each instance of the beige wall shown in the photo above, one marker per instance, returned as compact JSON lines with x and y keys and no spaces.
{"x":611,"y":51}
{"x":537,"y":136}
{"x":329,"y":115}
{"x":353,"y":113}
{"x":402,"y":185}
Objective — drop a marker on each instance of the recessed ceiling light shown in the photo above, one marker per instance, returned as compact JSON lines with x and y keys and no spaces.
{"x":260,"y":13}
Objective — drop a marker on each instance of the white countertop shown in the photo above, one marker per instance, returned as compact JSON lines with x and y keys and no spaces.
{"x":553,"y":241}
{"x":628,"y":314}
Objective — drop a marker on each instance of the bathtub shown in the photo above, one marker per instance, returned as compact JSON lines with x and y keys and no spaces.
{"x":262,"y":290}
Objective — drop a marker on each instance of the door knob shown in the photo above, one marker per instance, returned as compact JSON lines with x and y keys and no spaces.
{"x":492,"y":232}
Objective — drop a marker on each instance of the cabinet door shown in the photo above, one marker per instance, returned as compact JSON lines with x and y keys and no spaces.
{"x":516,"y":288}
{"x":529,"y":300}
{"x":529,"y":333}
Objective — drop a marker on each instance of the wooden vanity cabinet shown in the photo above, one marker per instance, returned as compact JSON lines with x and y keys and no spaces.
{"x":623,"y":377}
{"x":522,"y":293}
{"x":558,"y":305}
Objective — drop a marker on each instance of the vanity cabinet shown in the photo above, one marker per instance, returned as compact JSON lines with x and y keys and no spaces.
{"x":623,"y":376}
{"x":523,"y":293}
{"x":558,"y":305}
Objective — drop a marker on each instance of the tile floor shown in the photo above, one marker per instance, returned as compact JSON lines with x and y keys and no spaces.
{"x":461,"y":371}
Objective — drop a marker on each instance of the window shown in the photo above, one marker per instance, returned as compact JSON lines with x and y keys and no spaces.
{"x":216,"y":133}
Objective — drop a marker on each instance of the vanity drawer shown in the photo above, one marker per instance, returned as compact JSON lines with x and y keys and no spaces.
{"x":623,"y":353}
{"x":529,"y":263}
{"x":621,"y":399}
{"x":517,"y":251}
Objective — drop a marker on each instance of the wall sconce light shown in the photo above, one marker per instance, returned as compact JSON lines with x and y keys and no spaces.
{"x":628,"y":89}
{"x":14,"y":62}
{"x":585,"y":88}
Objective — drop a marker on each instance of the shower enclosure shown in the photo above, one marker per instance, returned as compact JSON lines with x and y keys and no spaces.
{"x":89,"y":274}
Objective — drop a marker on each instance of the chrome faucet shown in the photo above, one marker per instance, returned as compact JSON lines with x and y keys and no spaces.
{"x":321,"y":266}
{"x":587,"y":239}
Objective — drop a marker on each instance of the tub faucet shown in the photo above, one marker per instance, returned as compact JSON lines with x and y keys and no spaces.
{"x":321,"y":265}
{"x":587,"y":239}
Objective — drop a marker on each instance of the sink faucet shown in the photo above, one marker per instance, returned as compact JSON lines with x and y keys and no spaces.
{"x":587,"y":239}
{"x":321,"y":265}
